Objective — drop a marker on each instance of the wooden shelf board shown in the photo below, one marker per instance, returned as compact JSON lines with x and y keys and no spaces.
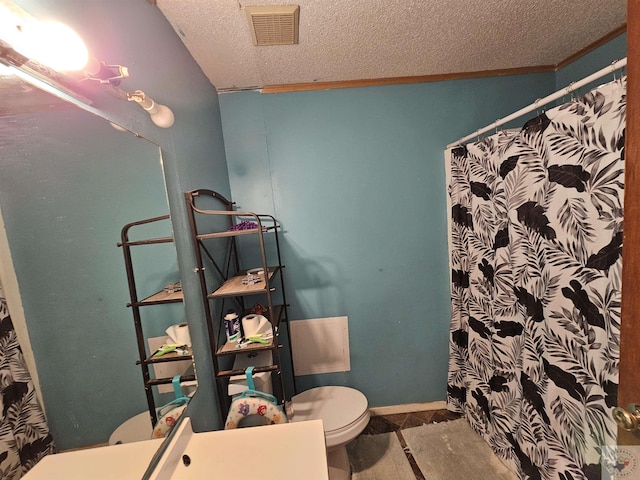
{"x":169,"y":357}
{"x":229,"y":348}
{"x":234,"y":286}
{"x":163,"y":297}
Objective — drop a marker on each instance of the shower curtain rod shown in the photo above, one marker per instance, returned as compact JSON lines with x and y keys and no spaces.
{"x":544,"y":101}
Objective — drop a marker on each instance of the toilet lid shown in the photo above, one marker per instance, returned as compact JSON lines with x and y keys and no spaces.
{"x":136,"y":429}
{"x":337,"y":407}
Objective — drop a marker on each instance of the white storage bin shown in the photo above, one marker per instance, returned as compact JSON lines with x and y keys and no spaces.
{"x":262,"y":381}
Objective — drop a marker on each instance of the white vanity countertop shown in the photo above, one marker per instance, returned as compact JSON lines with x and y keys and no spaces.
{"x":125,"y":462}
{"x":289,"y":451}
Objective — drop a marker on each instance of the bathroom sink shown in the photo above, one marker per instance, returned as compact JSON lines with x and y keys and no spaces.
{"x":289,"y":451}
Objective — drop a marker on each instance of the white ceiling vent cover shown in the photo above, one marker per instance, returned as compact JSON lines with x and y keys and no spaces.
{"x":274,"y":25}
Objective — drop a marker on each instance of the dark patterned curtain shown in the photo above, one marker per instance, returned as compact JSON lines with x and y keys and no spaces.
{"x":24,"y":434}
{"x":536,"y":243}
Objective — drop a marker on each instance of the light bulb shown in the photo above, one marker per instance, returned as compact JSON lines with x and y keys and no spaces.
{"x":5,"y":71}
{"x":51,"y":43}
{"x":163,"y":117}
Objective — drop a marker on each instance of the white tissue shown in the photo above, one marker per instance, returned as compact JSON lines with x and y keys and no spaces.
{"x":179,"y":334}
{"x":254,"y":325}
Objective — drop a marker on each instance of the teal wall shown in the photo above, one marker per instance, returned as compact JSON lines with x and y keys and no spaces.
{"x":600,"y":58}
{"x":69,"y":183}
{"x":98,"y":387}
{"x":356,"y":177}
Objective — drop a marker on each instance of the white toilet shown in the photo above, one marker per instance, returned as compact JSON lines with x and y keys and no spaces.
{"x":135,"y":429}
{"x":344,"y":413}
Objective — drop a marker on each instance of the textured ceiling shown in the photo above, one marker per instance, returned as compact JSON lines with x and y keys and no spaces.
{"x":373,"y":39}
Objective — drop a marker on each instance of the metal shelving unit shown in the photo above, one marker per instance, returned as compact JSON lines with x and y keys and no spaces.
{"x":220,"y":258}
{"x":162,"y":297}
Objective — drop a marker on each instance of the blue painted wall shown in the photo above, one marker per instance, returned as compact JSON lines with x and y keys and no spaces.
{"x":70,"y":183}
{"x":600,"y":58}
{"x":356,"y":177}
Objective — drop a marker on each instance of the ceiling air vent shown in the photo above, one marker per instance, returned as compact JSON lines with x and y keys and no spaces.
{"x":274,"y":25}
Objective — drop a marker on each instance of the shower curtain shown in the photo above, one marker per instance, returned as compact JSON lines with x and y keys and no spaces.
{"x":536,"y":243}
{"x":24,"y":434}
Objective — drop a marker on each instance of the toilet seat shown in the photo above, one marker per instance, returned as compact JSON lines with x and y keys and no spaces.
{"x":344,"y":412}
{"x":254,"y":403}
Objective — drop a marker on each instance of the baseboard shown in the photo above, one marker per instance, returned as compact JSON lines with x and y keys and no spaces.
{"x":408,"y":408}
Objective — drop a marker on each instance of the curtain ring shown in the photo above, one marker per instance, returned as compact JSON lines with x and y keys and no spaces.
{"x":622,"y":74}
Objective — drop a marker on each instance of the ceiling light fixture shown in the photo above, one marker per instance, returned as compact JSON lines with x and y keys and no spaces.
{"x":40,"y":75}
{"x":49,"y":43}
{"x":52,"y":44}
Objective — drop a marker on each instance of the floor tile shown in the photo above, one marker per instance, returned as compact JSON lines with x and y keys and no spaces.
{"x":398,"y":422}
{"x":426,"y":416}
{"x":379,"y":424}
{"x":413,"y":421}
{"x":414,"y":466}
{"x":444,"y":416}
{"x":396,"y":418}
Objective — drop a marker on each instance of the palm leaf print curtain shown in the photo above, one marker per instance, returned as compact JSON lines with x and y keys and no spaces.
{"x":536,"y":242}
{"x":24,"y":434}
